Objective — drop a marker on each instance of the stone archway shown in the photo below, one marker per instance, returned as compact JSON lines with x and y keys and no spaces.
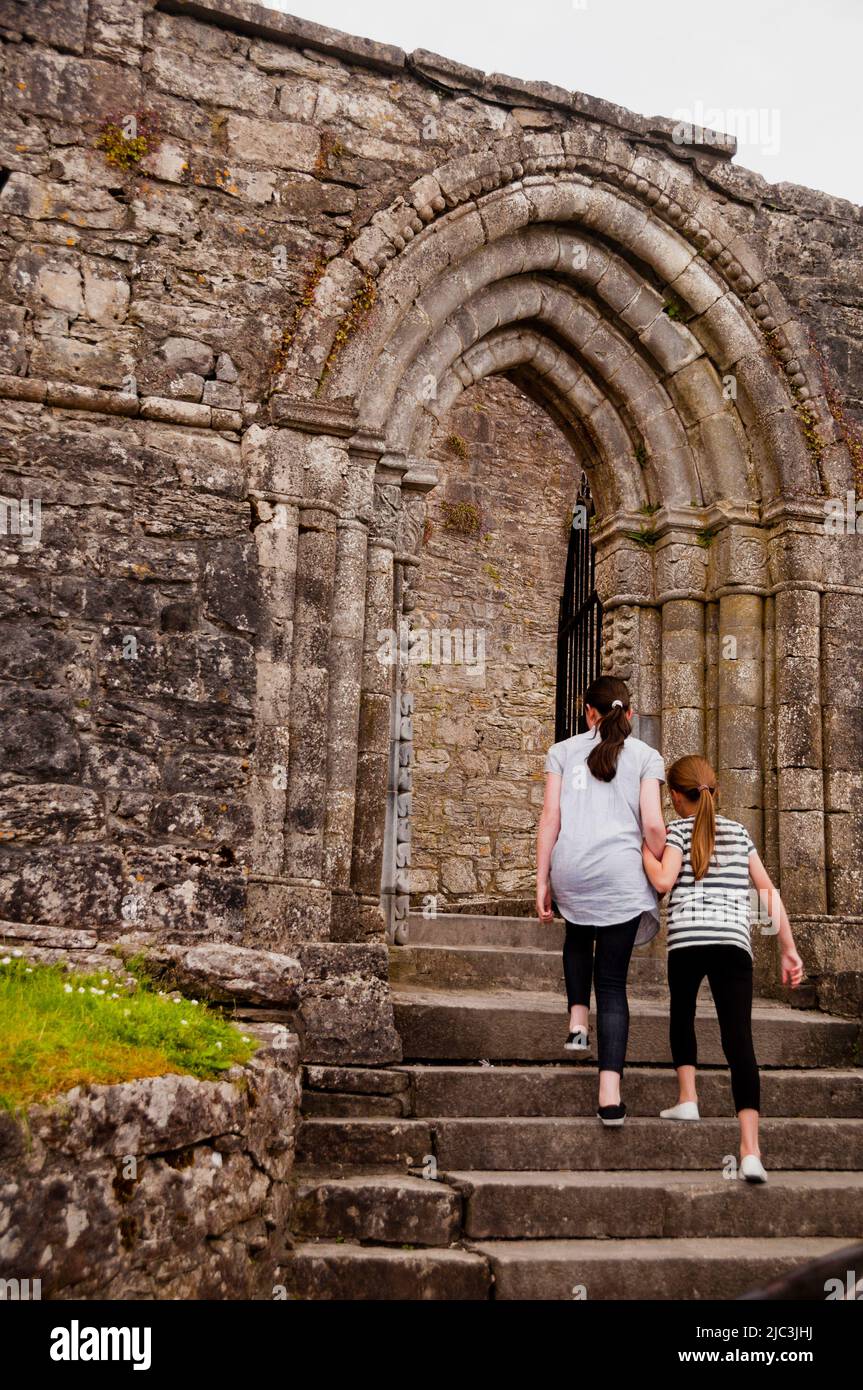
{"x":647,"y":325}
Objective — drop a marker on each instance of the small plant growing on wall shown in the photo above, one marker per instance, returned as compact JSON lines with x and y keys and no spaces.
{"x":643,"y":537}
{"x":331,"y":148}
{"x":307,"y":295}
{"x":461,"y":517}
{"x":705,"y":537}
{"x":457,"y":446}
{"x":359,"y":309}
{"x":127,"y":139}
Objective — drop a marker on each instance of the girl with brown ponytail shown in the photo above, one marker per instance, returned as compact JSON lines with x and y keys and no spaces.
{"x":601,"y":800}
{"x":711,"y":866}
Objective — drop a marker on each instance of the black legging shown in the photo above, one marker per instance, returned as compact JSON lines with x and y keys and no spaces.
{"x":729,"y":974}
{"x":602,"y":953}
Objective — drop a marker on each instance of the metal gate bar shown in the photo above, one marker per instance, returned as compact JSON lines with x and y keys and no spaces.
{"x":579,"y":630}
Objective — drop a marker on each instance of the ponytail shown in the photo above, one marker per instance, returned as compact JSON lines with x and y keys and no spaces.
{"x":703,"y":833}
{"x":694,"y":778}
{"x":610,"y":698}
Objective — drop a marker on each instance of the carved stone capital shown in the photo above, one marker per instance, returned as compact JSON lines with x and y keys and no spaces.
{"x":314,"y":417}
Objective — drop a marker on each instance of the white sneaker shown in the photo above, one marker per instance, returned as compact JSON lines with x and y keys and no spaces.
{"x":687,"y":1110}
{"x":752,"y":1169}
{"x":577,"y":1041}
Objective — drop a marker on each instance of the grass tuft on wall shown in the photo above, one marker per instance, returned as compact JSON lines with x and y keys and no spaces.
{"x":59,"y":1029}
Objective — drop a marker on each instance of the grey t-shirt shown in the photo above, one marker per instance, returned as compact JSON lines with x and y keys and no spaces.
{"x":597,"y":876}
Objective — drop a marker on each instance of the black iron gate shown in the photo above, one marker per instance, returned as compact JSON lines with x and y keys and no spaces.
{"x":579,"y":628}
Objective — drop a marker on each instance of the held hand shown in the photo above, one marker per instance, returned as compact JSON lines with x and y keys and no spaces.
{"x":792,"y":967}
{"x":543,"y":902}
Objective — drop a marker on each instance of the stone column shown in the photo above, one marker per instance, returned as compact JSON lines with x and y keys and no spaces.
{"x":345,"y":669}
{"x":739,"y":575}
{"x":376,"y":705}
{"x":711,"y":683}
{"x":356,"y":507}
{"x":768,"y":745}
{"x":739,"y":716}
{"x":796,"y":561}
{"x":630,"y":623}
{"x":680,"y":582}
{"x":297,"y":478}
{"x":276,"y":537}
{"x":842,"y":612}
{"x":306,"y":806}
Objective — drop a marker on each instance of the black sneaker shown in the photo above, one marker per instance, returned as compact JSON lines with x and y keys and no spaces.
{"x":612,"y":1115}
{"x":577,"y":1041}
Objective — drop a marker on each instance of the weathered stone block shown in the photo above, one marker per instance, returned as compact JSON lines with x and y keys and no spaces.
{"x":286,"y":144}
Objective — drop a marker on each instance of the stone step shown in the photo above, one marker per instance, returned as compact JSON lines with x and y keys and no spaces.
{"x":560,"y":1270}
{"x":522,"y":1026}
{"x":329,"y":1270}
{"x":567,"y":1090}
{"x":720,"y":1268}
{"x":386,"y":1207}
{"x":433,"y":965}
{"x":540,"y":1206}
{"x":391,"y":1208}
{"x":465,"y":929}
{"x":546,"y":1144}
{"x":323,"y":1142}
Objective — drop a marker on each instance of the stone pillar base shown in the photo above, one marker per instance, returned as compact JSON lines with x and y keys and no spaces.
{"x":832,"y":951}
{"x":345,"y":911}
{"x":283,"y":913}
{"x":369,"y":922}
{"x":346,"y":1013}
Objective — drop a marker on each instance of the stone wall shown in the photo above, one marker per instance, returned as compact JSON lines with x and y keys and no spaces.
{"x":166,"y":1187}
{"x":198,"y":738}
{"x":495,"y":567}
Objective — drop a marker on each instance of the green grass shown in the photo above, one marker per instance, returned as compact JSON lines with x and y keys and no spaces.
{"x":59,"y":1029}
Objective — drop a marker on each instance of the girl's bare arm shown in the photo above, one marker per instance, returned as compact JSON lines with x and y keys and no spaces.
{"x":662,"y":872}
{"x":549,"y":829}
{"x":652,"y":819}
{"x":792,"y":965}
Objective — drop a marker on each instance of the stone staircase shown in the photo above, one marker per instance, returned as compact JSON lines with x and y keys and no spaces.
{"x":476,"y":1168}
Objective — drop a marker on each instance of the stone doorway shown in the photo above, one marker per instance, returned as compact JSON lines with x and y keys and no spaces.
{"x":483,"y":633}
{"x":649,"y":328}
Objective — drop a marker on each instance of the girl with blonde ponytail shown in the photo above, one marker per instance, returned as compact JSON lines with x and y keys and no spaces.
{"x":711,"y":866}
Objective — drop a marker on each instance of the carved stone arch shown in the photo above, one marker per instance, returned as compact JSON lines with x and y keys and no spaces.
{"x":618,"y":291}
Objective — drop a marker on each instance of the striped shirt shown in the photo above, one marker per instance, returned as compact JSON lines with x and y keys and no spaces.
{"x":715,"y":909}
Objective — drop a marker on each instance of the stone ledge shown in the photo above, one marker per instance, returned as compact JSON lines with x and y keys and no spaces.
{"x":261,"y":23}
{"x":315,"y":417}
{"x":245,"y":18}
{"x":162,"y":1187}
{"x":222,"y":973}
{"x":66,"y":395}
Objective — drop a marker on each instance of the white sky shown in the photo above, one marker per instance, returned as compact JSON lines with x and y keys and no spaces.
{"x":793,"y":65}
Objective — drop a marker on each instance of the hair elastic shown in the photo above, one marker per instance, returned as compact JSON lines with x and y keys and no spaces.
{"x":619,"y":703}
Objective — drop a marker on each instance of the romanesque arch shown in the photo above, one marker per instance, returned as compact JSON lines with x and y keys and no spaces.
{"x":619,"y":293}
